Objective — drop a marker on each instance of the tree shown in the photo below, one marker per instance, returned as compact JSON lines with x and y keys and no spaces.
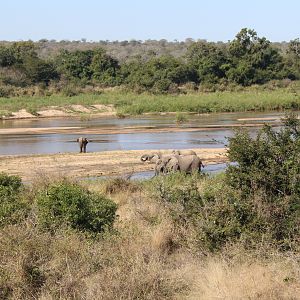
{"x":157,"y":74}
{"x":207,"y":60}
{"x":38,"y":70}
{"x":104,"y":68}
{"x":75,"y":64}
{"x":293,"y":59}
{"x":253,"y":59}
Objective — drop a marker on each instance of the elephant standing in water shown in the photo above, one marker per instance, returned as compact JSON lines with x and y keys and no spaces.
{"x":82,"y":141}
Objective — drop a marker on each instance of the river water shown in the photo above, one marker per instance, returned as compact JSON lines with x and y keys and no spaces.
{"x":22,"y":143}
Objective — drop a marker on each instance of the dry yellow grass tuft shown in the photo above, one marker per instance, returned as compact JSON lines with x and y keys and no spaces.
{"x":218,"y":279}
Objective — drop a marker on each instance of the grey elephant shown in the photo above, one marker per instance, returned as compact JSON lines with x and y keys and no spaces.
{"x":184,"y":152}
{"x":167,"y":164}
{"x":186,"y":164}
{"x":151,"y":158}
{"x":82,"y":141}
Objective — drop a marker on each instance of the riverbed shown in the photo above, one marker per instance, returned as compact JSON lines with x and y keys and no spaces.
{"x":58,"y":135}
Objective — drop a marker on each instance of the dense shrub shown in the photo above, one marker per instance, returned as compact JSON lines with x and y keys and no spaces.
{"x":12,"y":205}
{"x":255,"y":202}
{"x":270,"y":162}
{"x":68,"y":204}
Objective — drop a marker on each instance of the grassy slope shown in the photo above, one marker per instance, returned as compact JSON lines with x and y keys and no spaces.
{"x":248,"y":100}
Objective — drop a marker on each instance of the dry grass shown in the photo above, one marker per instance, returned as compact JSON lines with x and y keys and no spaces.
{"x":145,"y":259}
{"x":218,"y":279}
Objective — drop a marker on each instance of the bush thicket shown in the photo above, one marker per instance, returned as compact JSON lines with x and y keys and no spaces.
{"x":12,"y":205}
{"x":68,"y":204}
{"x":256,"y":201}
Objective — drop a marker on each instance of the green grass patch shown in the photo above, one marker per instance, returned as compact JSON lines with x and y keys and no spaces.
{"x":249,"y":99}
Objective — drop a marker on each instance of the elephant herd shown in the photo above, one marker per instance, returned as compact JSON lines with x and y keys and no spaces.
{"x":185,"y":161}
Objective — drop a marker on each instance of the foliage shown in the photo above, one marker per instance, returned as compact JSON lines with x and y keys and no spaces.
{"x":181,"y":118}
{"x":270,"y":162}
{"x":12,"y":206}
{"x":254,"y":202}
{"x":252,"y":60}
{"x":268,"y":177}
{"x":246,"y":60}
{"x":156,"y":75}
{"x":208,"y":60}
{"x":292,"y":59}
{"x":68,"y":204}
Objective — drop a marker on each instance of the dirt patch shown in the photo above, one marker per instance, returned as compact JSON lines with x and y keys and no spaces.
{"x":104,"y":108}
{"x":97,"y":110}
{"x":21,"y":114}
{"x":37,"y":130}
{"x":52,"y":113}
{"x":81,"y":109}
{"x":79,"y":165}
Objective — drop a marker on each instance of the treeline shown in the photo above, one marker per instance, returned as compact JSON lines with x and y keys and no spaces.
{"x":246,"y":60}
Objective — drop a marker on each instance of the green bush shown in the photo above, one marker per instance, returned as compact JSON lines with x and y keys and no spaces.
{"x":180,"y":193}
{"x":254,"y":202}
{"x":11,"y":183}
{"x":68,"y":204}
{"x":12,"y":205}
{"x":270,"y":162}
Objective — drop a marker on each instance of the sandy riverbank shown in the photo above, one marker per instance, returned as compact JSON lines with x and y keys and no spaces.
{"x":124,"y":130}
{"x":77,"y":165}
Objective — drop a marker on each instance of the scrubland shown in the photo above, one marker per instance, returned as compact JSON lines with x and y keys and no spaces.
{"x":232,"y":236}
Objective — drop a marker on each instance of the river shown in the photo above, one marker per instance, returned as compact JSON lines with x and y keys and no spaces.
{"x":46,"y":143}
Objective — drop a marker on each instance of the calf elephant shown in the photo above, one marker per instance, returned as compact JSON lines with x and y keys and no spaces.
{"x":184,"y":152}
{"x":82,"y":141}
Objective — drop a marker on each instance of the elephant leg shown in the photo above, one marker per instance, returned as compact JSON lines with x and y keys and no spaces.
{"x":84,"y":148}
{"x":81,"y":146}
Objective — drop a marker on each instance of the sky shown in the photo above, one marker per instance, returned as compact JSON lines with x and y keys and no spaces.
{"x":213,"y":20}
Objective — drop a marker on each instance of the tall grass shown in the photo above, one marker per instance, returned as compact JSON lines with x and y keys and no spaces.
{"x":249,"y":99}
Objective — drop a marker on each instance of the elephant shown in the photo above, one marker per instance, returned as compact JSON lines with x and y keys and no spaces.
{"x":184,"y":152}
{"x":186,"y":164}
{"x":166,"y":165}
{"x":151,"y":158}
{"x":82,"y":141}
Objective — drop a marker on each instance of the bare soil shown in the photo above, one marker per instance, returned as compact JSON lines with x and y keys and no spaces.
{"x":78,"y":165}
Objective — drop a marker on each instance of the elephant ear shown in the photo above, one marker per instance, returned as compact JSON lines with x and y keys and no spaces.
{"x":77,"y":140}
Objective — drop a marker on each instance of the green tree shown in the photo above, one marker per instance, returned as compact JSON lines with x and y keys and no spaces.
{"x":104,"y":68}
{"x":7,"y":57}
{"x":37,"y":70}
{"x":75,"y":64}
{"x":253,"y":59}
{"x":207,"y":60}
{"x":293,"y":59}
{"x":158,"y":74}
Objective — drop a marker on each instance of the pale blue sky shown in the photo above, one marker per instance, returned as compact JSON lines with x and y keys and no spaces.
{"x":214,"y":20}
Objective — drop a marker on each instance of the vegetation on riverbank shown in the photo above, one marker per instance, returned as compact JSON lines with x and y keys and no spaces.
{"x":189,"y":237}
{"x":255,"y":98}
{"x":244,"y":61}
